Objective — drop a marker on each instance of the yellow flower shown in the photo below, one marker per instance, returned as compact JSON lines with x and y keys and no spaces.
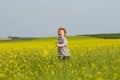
{"x":93,"y":66}
{"x":2,"y":75}
{"x":52,"y":72}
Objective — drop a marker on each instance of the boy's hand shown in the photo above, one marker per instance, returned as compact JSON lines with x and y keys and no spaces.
{"x":57,"y":44}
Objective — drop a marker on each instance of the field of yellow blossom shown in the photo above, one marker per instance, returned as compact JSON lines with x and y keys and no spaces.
{"x":36,"y":59}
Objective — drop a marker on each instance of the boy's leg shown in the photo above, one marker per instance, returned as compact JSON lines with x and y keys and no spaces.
{"x":67,"y":57}
{"x":61,"y":58}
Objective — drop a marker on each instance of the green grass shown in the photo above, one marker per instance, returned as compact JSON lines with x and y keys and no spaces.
{"x":105,"y":36}
{"x":87,"y":36}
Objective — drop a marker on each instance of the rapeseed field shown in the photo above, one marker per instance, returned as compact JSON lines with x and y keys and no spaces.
{"x":91,"y":59}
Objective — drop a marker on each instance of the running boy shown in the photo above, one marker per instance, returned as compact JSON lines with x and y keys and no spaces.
{"x":63,"y":51}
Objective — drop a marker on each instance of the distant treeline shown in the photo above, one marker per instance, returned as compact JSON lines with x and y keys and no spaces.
{"x":104,"y":36}
{"x":22,"y":38}
{"x":14,"y":37}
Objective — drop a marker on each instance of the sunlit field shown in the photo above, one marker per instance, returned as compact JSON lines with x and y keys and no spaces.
{"x":36,"y":59}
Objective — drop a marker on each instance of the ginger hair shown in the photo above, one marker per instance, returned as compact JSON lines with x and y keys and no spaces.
{"x":63,"y":30}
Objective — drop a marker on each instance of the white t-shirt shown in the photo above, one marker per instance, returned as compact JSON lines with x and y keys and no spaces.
{"x":63,"y":51}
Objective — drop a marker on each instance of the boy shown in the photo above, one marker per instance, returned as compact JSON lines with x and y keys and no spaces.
{"x":63,"y":51}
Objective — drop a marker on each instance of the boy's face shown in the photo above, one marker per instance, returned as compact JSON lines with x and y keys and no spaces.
{"x":61,"y":33}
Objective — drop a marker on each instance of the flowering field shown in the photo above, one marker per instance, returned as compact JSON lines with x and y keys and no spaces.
{"x":91,"y":59}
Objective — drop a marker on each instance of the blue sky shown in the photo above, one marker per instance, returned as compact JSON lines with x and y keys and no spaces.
{"x":41,"y":18}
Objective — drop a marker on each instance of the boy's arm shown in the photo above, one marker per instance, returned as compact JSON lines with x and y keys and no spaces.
{"x":60,"y":45}
{"x":64,"y":43}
